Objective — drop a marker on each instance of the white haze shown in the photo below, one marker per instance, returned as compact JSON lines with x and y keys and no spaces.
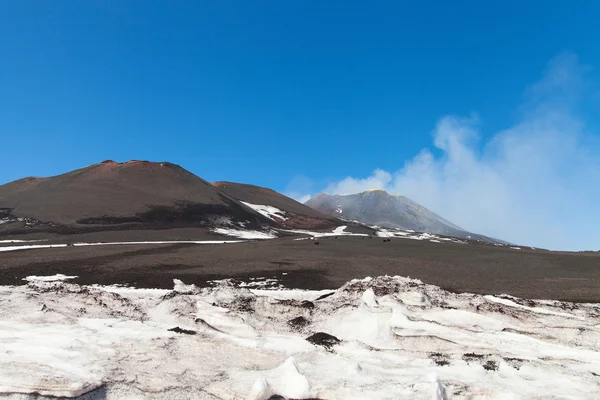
{"x":535,"y":183}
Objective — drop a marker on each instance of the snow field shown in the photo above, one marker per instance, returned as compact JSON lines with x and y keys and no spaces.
{"x":400,"y":339}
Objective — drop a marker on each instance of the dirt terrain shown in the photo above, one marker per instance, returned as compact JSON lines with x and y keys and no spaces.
{"x":302,"y":264}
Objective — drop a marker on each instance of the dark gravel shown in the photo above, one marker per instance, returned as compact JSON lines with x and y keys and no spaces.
{"x":460,"y":268}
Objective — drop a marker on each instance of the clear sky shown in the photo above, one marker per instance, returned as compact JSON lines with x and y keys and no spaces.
{"x":299,"y":95}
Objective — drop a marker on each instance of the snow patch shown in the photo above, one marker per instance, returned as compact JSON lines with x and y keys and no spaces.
{"x":410,"y":234}
{"x":19,"y":241}
{"x":49,"y":246}
{"x":50,"y":278}
{"x":245,"y":234}
{"x":339,"y":231}
{"x":273,"y":213}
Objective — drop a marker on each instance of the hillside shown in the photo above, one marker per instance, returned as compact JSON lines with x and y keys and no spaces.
{"x":295,"y":214}
{"x":134,"y":193}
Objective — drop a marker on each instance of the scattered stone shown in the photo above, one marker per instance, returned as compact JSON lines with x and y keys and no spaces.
{"x":307,"y":304}
{"x":490,"y":366}
{"x":323,"y":339}
{"x":472,"y":356}
{"x":298,"y":322}
{"x":183,"y":331}
{"x":439,"y":359}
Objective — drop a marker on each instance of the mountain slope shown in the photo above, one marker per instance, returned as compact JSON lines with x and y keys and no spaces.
{"x":134,"y":192}
{"x":377,"y":207}
{"x":295,"y":214}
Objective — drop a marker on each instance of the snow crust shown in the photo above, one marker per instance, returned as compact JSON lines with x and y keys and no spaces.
{"x":400,"y":339}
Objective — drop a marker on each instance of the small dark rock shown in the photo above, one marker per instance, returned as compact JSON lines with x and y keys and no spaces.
{"x":298,"y":322}
{"x":439,"y":359}
{"x":323,"y":339}
{"x":307,"y":304}
{"x":181,"y":330}
{"x":472,"y":356}
{"x":490,"y":366}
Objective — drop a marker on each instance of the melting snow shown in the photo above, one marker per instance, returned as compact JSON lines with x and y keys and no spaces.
{"x":49,"y":278}
{"x":270,"y":212}
{"x":400,"y":338}
{"x":410,"y":234}
{"x":31,"y":247}
{"x":339,"y":231}
{"x":245,"y":234}
{"x":19,"y":241}
{"x":48,"y":246}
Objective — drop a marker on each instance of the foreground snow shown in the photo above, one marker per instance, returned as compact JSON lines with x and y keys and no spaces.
{"x":398,"y":339}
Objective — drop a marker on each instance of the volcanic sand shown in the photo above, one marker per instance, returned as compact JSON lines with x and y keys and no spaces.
{"x":472,"y":268}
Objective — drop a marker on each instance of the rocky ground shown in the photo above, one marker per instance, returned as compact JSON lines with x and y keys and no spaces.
{"x":335,"y":260}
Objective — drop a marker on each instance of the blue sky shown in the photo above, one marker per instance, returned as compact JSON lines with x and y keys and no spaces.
{"x":297,"y":95}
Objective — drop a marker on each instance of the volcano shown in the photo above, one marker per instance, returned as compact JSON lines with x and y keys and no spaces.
{"x":377,"y":207}
{"x":112,"y":195}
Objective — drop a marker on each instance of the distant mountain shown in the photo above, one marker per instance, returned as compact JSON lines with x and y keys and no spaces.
{"x":295,"y":214}
{"x":121,"y":196}
{"x":377,"y":207}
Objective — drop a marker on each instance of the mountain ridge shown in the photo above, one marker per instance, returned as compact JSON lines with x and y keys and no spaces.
{"x":380,"y":208}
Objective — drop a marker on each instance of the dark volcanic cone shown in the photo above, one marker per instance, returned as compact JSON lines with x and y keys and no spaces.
{"x":134,"y":193}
